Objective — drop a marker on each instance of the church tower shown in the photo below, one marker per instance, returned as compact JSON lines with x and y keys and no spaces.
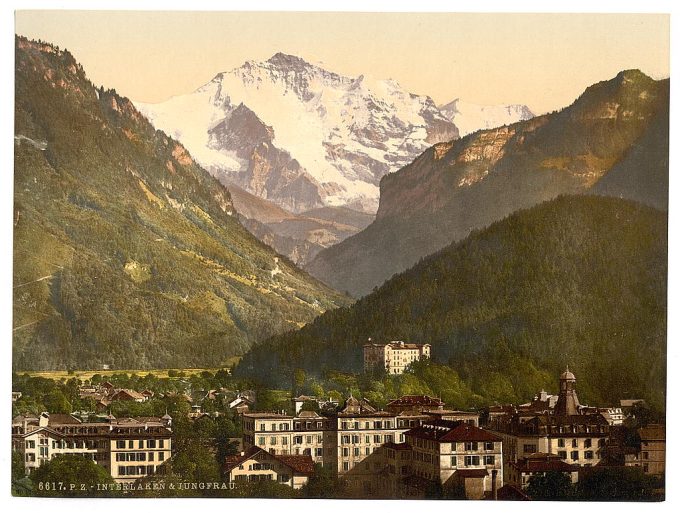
{"x":567,"y":401}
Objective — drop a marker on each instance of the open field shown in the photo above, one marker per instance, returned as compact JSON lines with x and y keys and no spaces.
{"x":87,"y":374}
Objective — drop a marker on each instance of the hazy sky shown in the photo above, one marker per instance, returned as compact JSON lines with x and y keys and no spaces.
{"x":544,"y":61}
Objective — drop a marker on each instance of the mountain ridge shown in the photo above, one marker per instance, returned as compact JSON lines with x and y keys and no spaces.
{"x":127,"y":253}
{"x":457,"y":186}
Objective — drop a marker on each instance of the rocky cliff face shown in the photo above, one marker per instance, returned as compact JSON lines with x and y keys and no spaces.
{"x":466,"y":184}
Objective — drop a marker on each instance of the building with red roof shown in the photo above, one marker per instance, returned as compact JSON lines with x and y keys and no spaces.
{"x":256,"y":464}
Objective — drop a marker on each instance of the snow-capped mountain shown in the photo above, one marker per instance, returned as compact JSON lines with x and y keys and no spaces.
{"x":299,"y":135}
{"x":469,"y":117}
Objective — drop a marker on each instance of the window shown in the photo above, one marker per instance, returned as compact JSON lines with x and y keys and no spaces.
{"x":356,"y":425}
{"x":318,"y":451}
{"x":488,"y":446}
{"x":378,"y":424}
{"x":588,"y":455}
{"x":131,"y":444}
{"x":355,"y":439}
{"x":161,"y":444}
{"x":470,"y":446}
{"x":401,"y":437}
{"x":377,"y":439}
{"x":574,"y":443}
{"x":368,"y":451}
{"x":273,"y":427}
{"x":345,"y":425}
{"x":560,"y":442}
{"x":319,"y":439}
{"x":530,"y":448}
{"x":263,"y":427}
{"x":356,"y":451}
{"x":260,"y":440}
{"x":574,"y":455}
{"x":345,"y":465}
{"x":587,"y":443}
{"x":454,"y":462}
{"x":471,"y":461}
{"x":151,"y":444}
{"x":150,"y":456}
{"x":297,"y":439}
{"x":368,"y":439}
{"x":489,"y":460}
{"x":345,"y":439}
{"x":345,"y":452}
{"x":120,"y":444}
{"x":562,"y":454}
{"x":645,"y":455}
{"x":388,"y":438}
{"x":272,"y":440}
{"x":284,"y":478}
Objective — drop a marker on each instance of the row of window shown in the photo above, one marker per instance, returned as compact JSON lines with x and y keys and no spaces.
{"x":297,"y":440}
{"x":377,"y":439}
{"x":150,"y":444}
{"x":281,"y":478}
{"x":377,"y":424}
{"x":574,"y":455}
{"x":587,"y":443}
{"x":135,"y":470}
{"x":139,"y":456}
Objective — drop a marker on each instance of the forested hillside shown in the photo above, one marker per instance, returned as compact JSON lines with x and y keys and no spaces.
{"x":126,"y":252}
{"x":580,"y":280}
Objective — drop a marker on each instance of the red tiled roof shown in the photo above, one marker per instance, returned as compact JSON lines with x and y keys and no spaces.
{"x":297,"y":463}
{"x":510,"y":492}
{"x":300,"y":464}
{"x":234,"y":461}
{"x":452,"y":431}
{"x":61,"y":419}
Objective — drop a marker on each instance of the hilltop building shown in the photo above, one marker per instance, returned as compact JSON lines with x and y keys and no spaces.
{"x":394,"y":357}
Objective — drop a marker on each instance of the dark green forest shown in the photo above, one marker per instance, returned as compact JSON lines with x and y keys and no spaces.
{"x":578,"y":281}
{"x":126,"y":252}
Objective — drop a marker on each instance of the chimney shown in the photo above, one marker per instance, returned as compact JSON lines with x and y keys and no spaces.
{"x":494,"y":485}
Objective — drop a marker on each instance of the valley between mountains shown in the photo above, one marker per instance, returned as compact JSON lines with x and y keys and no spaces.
{"x":286,"y":213}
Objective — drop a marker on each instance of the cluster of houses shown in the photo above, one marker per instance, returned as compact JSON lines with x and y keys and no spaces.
{"x":412,"y":447}
{"x":415,"y":445}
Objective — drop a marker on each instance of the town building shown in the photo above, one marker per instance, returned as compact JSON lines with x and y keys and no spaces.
{"x":521,"y":471}
{"x":362,"y":429}
{"x":128,"y":448}
{"x":414,"y":404}
{"x":652,"y":454}
{"x":457,"y":455}
{"x":577,"y":438}
{"x":306,"y":434}
{"x":394,"y":357}
{"x":257,"y":464}
{"x":322,"y":404}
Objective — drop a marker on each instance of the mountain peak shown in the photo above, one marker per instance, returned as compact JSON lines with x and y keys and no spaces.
{"x":632,"y":75}
{"x":287,"y":60}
